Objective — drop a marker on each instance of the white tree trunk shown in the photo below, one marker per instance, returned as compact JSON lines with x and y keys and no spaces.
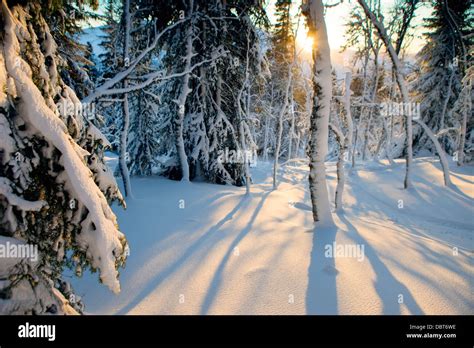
{"x":123,"y":156}
{"x":388,"y":142}
{"x":322,"y":85}
{"x":281,"y":114}
{"x":297,"y":145}
{"x":181,"y":101}
{"x":347,"y":108}
{"x":246,"y":159}
{"x":439,"y":149}
{"x":466,"y":109}
{"x":339,"y":167}
{"x":265,"y":138}
{"x":446,"y":101}
{"x":371,"y":112}
{"x":242,"y":118}
{"x":292,"y":128}
{"x":462,"y":139}
{"x":354,"y":147}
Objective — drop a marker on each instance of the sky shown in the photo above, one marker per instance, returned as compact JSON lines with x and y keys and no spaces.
{"x":336,"y":18}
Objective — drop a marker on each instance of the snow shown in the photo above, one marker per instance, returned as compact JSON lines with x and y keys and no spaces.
{"x":24,"y":299}
{"x":227,"y":253}
{"x":7,"y":192}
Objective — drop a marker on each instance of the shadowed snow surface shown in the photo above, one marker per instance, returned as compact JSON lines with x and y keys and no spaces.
{"x":225,"y":253}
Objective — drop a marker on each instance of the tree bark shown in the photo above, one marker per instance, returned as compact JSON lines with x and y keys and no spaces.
{"x":322,"y":85}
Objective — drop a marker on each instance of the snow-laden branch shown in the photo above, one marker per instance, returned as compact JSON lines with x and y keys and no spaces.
{"x":158,"y":76}
{"x":7,"y":192}
{"x":102,"y":89}
{"x":439,"y":150}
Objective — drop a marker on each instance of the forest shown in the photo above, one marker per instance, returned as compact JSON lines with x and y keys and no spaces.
{"x":236,"y":157}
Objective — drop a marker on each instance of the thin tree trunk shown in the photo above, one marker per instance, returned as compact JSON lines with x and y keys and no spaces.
{"x":446,"y":101}
{"x":462,"y":140}
{"x":123,"y":157}
{"x":265,"y":138}
{"x":280,"y":126}
{"x":240,"y":112}
{"x":373,"y":100}
{"x":339,"y":167}
{"x":297,"y":145}
{"x":292,"y":128}
{"x":347,"y":108}
{"x":181,"y":101}
{"x":439,"y":149}
{"x":354,"y":148}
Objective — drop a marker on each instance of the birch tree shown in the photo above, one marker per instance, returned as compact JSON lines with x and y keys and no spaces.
{"x":340,"y":138}
{"x":322,"y":81}
{"x":123,"y":155}
{"x":181,"y":101}
{"x":280,"y":119}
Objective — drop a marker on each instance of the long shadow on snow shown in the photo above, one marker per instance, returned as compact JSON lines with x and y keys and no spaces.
{"x":387,"y":286}
{"x":321,"y":295}
{"x":216,"y":279}
{"x":152,"y":285}
{"x":445,"y":194}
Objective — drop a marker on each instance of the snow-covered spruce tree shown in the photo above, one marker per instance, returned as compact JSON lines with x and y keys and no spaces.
{"x":322,"y":85}
{"x":55,"y":188}
{"x":64,"y":19}
{"x":144,"y":144}
{"x":213,"y":124}
{"x":442,"y":64}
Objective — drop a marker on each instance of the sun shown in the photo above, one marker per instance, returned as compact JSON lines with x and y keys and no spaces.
{"x":304,"y":43}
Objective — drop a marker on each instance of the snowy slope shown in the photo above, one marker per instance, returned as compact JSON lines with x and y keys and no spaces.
{"x":227,"y":254}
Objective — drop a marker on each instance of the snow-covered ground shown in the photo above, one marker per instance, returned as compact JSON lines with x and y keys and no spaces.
{"x":225,"y":253}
